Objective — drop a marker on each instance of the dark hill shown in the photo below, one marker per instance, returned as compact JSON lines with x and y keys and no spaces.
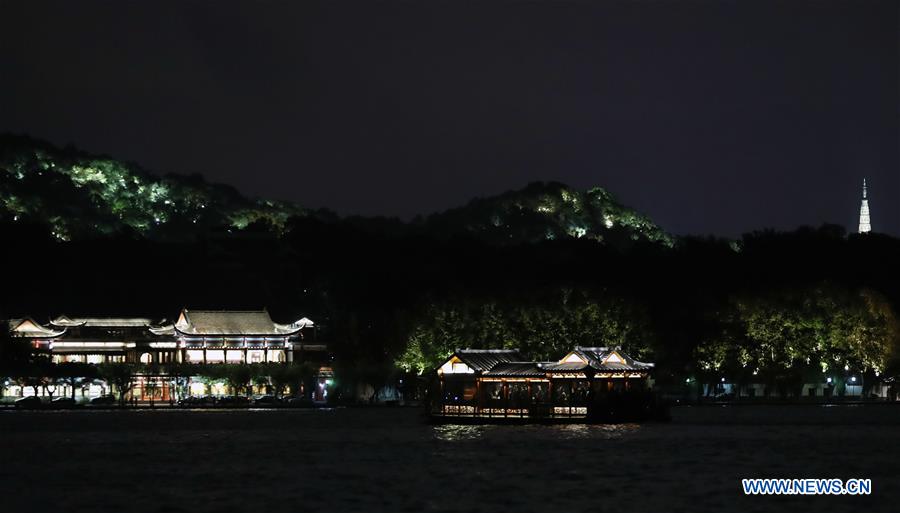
{"x":71,"y":195}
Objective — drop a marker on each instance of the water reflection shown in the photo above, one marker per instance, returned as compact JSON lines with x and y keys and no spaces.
{"x":592,"y":431}
{"x":462,"y":432}
{"x":458,"y":432}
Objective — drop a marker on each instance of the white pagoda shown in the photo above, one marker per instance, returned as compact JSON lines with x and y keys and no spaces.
{"x":865,"y":224}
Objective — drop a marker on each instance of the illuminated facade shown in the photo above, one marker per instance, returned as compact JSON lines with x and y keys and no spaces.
{"x":498,"y":383}
{"x":197,"y":337}
{"x":230,"y":337}
{"x":865,"y":223}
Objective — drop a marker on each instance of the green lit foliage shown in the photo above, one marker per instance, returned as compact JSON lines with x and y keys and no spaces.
{"x":82,"y":196}
{"x":549,"y":211}
{"x":788,"y":338}
{"x":542,"y":330}
{"x":76,"y":196}
{"x":440,"y":331}
{"x":271,"y":213}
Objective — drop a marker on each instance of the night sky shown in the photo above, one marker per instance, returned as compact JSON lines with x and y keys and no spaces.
{"x":710,"y":116}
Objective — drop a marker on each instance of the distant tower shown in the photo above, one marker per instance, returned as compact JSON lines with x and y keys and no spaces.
{"x":865,"y":224}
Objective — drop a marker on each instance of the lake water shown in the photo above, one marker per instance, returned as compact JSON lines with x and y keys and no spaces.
{"x":383,"y":459}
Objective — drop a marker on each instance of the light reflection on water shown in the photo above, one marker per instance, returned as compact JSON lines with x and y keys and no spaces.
{"x":459,"y":432}
{"x":601,"y":431}
{"x":464,"y":432}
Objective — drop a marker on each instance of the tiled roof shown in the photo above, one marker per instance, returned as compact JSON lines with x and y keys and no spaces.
{"x":564,"y":367}
{"x":594,"y":355}
{"x":62,"y":320}
{"x":206,"y":322}
{"x":27,"y":327}
{"x":518,"y":369}
{"x":301,"y":323}
{"x":101,"y":322}
{"x":597,"y":358}
{"x":483,"y":360}
{"x":633,"y":366}
{"x":166,"y":330}
{"x":508,"y":362}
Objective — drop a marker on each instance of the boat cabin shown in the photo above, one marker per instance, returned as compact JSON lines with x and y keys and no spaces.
{"x":500,"y":383}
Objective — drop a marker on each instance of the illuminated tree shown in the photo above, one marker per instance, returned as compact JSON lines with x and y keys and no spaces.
{"x":543,"y":329}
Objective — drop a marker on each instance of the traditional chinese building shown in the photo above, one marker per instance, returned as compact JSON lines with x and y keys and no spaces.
{"x":101,"y":339}
{"x":492,"y":383}
{"x":203,"y":336}
{"x":196,"y":337}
